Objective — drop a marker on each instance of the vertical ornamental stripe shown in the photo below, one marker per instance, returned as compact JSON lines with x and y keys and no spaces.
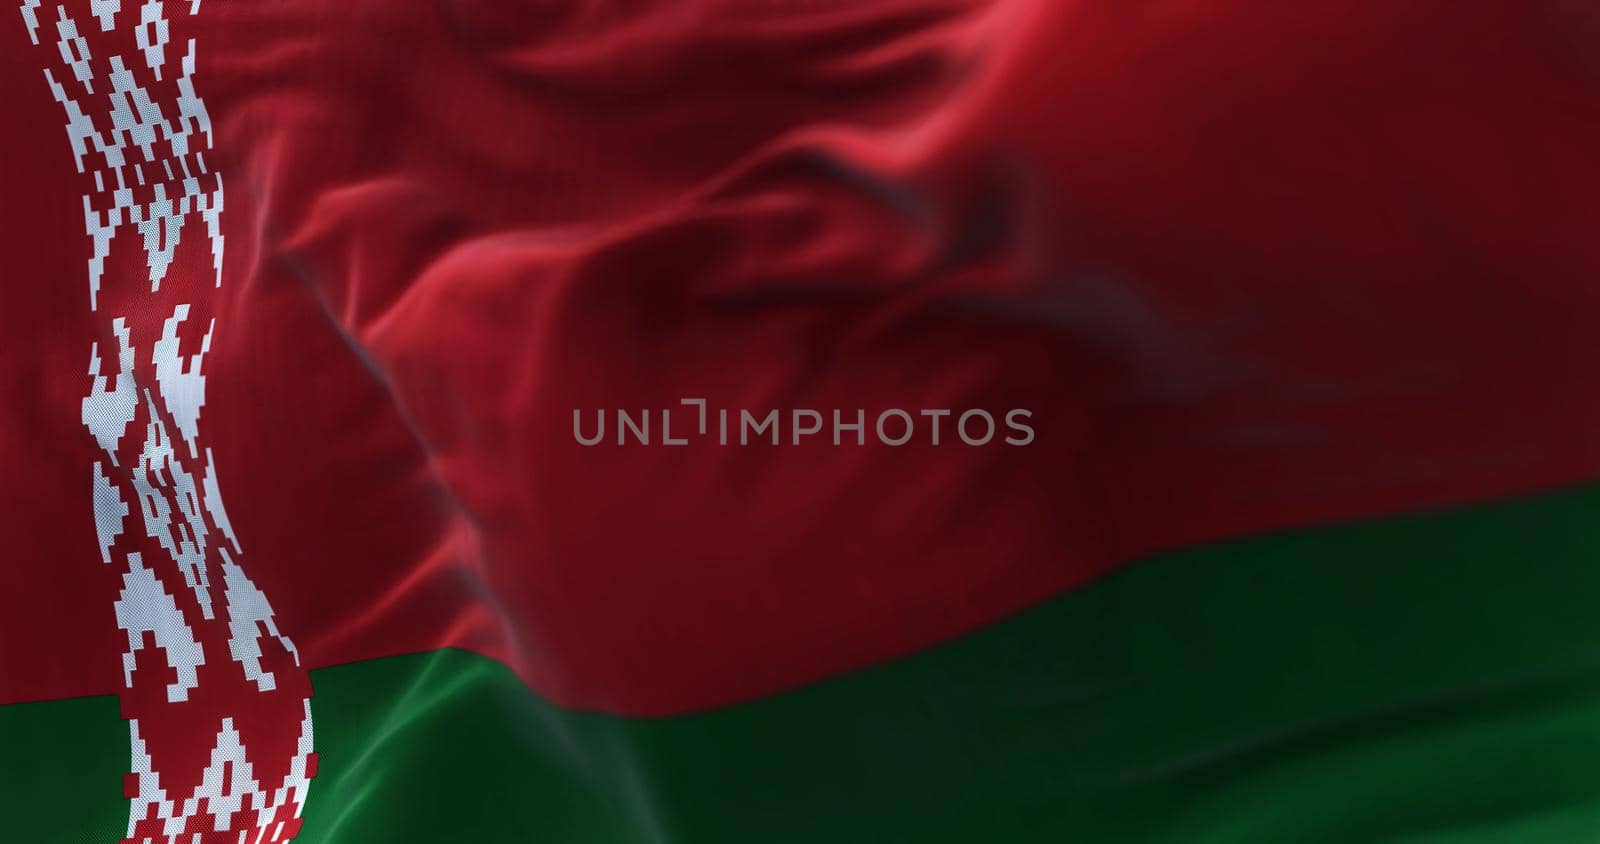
{"x":217,"y":701}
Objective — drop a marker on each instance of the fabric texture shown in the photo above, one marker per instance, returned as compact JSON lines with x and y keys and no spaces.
{"x":1284,"y":319}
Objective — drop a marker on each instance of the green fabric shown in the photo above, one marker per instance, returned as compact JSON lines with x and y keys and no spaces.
{"x":1431,"y":678}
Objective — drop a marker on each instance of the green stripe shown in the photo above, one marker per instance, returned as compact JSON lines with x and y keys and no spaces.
{"x":1432,"y":678}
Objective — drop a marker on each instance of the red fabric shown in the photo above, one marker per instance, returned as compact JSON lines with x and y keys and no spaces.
{"x":1251,"y":264}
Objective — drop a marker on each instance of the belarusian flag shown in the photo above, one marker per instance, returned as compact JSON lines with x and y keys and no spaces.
{"x":973,"y":421}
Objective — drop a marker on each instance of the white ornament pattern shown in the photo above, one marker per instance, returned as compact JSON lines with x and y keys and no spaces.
{"x":138,"y":129}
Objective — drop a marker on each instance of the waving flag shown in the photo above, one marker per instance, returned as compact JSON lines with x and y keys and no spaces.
{"x":827,"y":420}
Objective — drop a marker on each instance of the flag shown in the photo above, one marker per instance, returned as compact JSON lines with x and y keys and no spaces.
{"x":718,"y":421}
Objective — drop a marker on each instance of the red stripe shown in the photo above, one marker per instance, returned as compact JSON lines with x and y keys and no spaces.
{"x":1251,"y":267}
